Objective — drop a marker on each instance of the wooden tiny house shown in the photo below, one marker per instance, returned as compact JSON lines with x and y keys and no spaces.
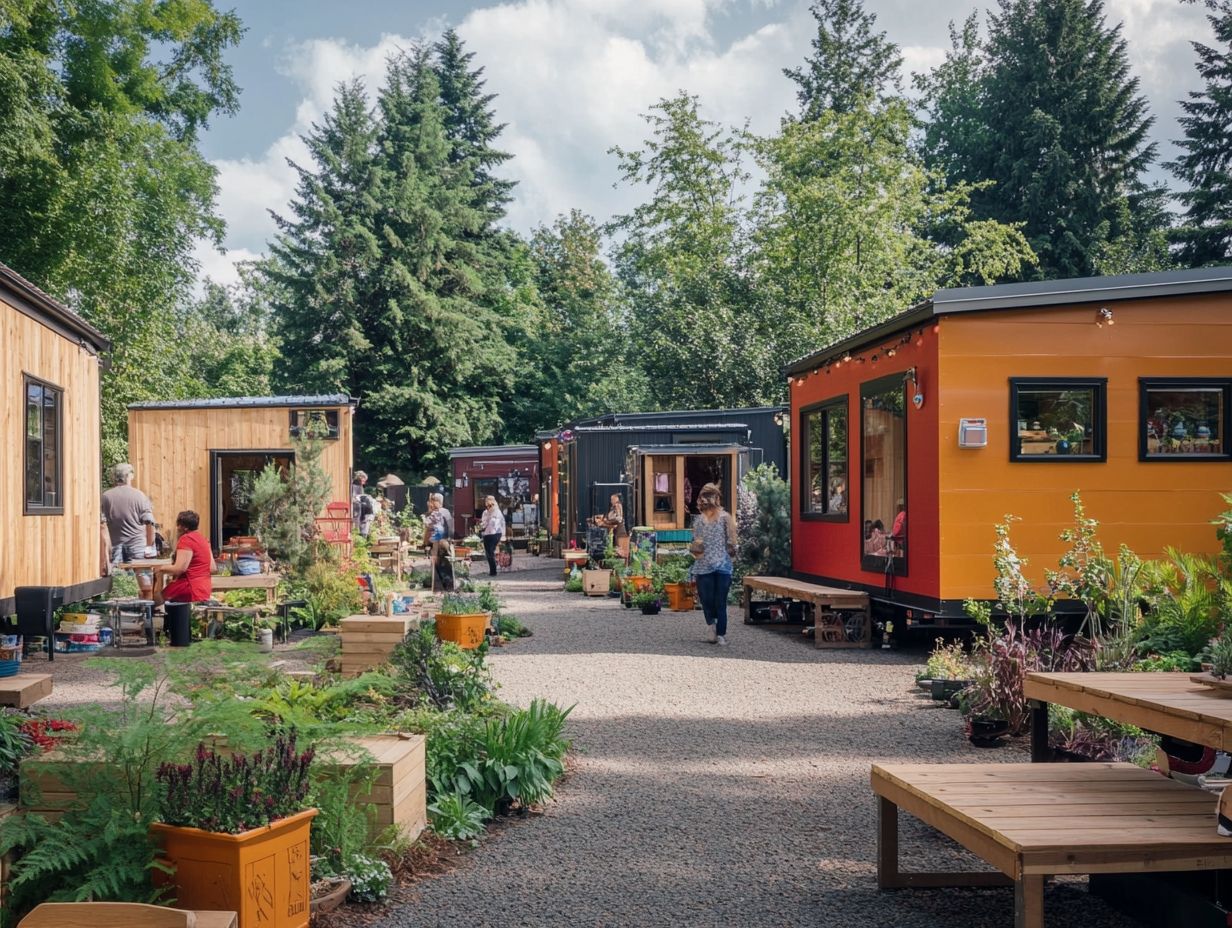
{"x":987,"y":401}
{"x":200,"y":454}
{"x":49,"y":420}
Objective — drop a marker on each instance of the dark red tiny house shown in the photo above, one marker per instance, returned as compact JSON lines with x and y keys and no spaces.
{"x":508,"y":472}
{"x":987,"y":401}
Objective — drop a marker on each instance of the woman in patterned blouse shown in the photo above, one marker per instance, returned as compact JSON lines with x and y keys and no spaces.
{"x":714,"y":545}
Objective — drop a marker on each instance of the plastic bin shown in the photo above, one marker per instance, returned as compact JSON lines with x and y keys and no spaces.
{"x":178,"y":624}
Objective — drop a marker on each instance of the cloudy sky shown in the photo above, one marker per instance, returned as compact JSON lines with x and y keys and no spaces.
{"x":573,"y":77}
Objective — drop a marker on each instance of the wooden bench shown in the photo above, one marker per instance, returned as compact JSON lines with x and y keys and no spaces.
{"x":268,"y":582}
{"x":830,"y":630}
{"x":1031,"y":821}
{"x":24,"y":689}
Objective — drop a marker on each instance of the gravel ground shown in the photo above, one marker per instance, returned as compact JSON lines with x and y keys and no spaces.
{"x":715,"y":786}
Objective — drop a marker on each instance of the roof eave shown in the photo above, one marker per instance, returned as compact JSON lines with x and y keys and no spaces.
{"x":921,"y":312}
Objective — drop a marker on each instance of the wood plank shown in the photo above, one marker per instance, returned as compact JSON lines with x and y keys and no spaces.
{"x":24,"y":689}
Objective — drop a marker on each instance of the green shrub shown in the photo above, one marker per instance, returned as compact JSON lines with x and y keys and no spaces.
{"x":439,"y":673}
{"x":370,"y":878}
{"x":456,"y":816}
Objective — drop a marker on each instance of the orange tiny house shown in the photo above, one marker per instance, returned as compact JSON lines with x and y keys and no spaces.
{"x":916,"y":437}
{"x":198,"y":454}
{"x":50,"y":361}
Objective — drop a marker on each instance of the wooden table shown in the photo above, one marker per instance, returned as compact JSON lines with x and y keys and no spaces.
{"x":1166,"y":703}
{"x":1031,"y":821}
{"x":389,"y":555}
{"x":830,"y":631}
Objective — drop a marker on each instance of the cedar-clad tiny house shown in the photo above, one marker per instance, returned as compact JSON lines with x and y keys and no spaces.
{"x":49,"y":420}
{"x":914,"y":438}
{"x":202,"y":454}
{"x":656,"y":461}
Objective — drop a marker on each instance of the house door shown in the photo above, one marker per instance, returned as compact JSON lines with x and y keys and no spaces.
{"x":232,"y":474}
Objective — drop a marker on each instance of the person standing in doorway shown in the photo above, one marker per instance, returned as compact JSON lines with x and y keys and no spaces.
{"x":363,"y":507}
{"x":492,"y":530}
{"x":714,"y":546}
{"x":128,"y":525}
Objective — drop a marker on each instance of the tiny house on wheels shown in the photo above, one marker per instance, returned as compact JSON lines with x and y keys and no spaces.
{"x":508,"y":472}
{"x":203,"y":454}
{"x":914,"y":438}
{"x":49,"y":419}
{"x":656,"y":462}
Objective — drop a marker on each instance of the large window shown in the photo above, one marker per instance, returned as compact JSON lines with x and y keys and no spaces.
{"x":43,"y":453}
{"x":324,"y":423}
{"x":823,"y":431}
{"x":883,"y":464}
{"x":1057,"y":420}
{"x":1185,"y":419}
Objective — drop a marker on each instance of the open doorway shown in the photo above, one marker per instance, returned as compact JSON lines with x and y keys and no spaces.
{"x":232,"y":476}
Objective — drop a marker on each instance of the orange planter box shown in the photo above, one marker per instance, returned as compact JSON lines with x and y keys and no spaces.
{"x":679,"y":596}
{"x":262,"y":875}
{"x":466,"y":631}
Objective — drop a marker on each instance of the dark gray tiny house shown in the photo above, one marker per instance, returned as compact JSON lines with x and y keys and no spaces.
{"x":656,"y":461}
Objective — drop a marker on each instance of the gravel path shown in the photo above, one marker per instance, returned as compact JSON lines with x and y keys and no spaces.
{"x":715,"y":787}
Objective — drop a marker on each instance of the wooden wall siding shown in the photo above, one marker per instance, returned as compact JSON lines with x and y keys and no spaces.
{"x":48,"y":550}
{"x":170,"y":451}
{"x":1146,"y":505}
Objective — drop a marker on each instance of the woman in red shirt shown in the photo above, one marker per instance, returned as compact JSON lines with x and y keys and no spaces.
{"x":194,"y":562}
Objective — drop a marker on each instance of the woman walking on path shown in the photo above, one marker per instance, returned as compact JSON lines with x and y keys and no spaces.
{"x":714,"y":545}
{"x":492,"y":528}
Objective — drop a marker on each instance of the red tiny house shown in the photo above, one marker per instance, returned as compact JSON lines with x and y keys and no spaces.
{"x":1012,"y":398}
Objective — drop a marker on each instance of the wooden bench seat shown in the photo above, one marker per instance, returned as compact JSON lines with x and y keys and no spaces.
{"x":830,"y":630}
{"x":1031,"y":821}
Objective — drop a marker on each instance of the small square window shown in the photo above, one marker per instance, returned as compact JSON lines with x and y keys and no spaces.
{"x":324,"y":422}
{"x":1058,"y":420}
{"x":824,"y":447}
{"x":1184,"y":419}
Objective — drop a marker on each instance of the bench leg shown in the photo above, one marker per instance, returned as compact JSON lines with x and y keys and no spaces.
{"x":890,"y":877}
{"x":1040,"y":751}
{"x":1029,"y":901}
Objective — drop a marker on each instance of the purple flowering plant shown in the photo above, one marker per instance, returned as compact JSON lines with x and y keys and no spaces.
{"x":234,"y":794}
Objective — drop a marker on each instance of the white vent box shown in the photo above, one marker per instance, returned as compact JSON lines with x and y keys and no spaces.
{"x":972,"y":433}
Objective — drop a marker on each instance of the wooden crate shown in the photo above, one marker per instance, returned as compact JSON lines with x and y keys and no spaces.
{"x":368,"y":640}
{"x":44,"y":787}
{"x":398,"y":794}
{"x":24,"y":689}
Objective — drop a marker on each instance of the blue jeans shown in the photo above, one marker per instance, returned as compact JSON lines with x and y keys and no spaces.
{"x":712,"y":590}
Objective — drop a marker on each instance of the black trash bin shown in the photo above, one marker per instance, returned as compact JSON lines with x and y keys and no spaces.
{"x":178,"y":623}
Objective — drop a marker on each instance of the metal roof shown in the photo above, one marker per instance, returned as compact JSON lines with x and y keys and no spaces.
{"x":1036,"y":294}
{"x":249,"y":402}
{"x":477,"y":451}
{"x":37,"y":304}
{"x":688,"y":449}
{"x":623,"y":418}
{"x":676,"y":427}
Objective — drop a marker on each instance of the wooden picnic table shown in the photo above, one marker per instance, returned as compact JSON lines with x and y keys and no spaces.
{"x":830,"y":631}
{"x":1167,"y":703}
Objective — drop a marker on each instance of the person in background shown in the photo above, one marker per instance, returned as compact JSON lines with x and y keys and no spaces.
{"x":492,"y":530}
{"x":714,"y":546}
{"x":438,"y":532}
{"x":838,"y":496}
{"x":128,"y":525}
{"x":358,"y":482}
{"x":898,"y":534}
{"x":192,"y":568}
{"x":615,"y":522}
{"x":875,"y":543}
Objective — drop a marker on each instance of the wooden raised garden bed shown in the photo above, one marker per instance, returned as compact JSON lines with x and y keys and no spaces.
{"x":368,"y":640}
{"x":399,"y":792}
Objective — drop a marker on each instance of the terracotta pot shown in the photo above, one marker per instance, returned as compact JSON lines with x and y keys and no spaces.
{"x":262,"y":875}
{"x":679,"y":596}
{"x":460,"y":551}
{"x":330,"y":900}
{"x":466,"y":631}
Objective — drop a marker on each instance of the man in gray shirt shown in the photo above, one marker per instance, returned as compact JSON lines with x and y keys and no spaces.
{"x":128,"y":524}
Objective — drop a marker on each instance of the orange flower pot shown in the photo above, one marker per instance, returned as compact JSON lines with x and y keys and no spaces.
{"x":262,"y":875}
{"x":460,"y":551}
{"x":466,"y":631}
{"x":679,"y":596}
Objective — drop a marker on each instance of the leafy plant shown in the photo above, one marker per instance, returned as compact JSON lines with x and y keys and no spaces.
{"x":948,"y":662}
{"x":1220,"y":653}
{"x":285,"y":508}
{"x":1183,"y":611}
{"x":763,"y":522}
{"x":456,"y":816}
{"x":1098,"y":738}
{"x":1085,"y":570}
{"x":462,"y":604}
{"x":340,"y":828}
{"x":439,"y":673}
{"x":1171,"y":662}
{"x":574,"y":584}
{"x":648,"y":597}
{"x":235,"y":793}
{"x":509,"y":627}
{"x":370,"y":878}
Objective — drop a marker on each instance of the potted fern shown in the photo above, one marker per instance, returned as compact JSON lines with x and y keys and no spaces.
{"x":462,"y":620}
{"x":236,"y":830}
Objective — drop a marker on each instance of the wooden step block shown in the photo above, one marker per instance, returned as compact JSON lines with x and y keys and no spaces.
{"x":24,"y":689}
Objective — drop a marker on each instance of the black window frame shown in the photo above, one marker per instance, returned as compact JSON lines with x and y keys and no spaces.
{"x":39,"y":509}
{"x":875,"y":563}
{"x":835,"y":402}
{"x":332,"y":420}
{"x":1099,"y":419}
{"x":1146,"y":384}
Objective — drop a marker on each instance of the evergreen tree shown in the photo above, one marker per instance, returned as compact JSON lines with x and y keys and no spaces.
{"x":1048,"y":111}
{"x":1205,"y":165}
{"x":850,"y":63}
{"x":470,"y":125}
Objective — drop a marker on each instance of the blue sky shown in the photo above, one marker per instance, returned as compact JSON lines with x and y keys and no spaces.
{"x":572,"y":77}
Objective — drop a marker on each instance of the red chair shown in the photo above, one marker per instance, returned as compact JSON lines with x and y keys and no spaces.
{"x":334,"y":527}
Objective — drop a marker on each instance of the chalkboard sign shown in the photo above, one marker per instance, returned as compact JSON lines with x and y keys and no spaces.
{"x":644,"y":541}
{"x":596,"y":543}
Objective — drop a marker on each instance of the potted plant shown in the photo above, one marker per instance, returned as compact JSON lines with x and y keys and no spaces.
{"x":674,"y":576}
{"x":948,"y":669}
{"x":237,"y":833}
{"x":596,"y":581}
{"x":462,"y":620}
{"x":648,"y":601}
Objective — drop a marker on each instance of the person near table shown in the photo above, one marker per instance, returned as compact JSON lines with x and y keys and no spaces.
{"x":491,"y":530}
{"x":190,"y":574}
{"x":714,"y":546}
{"x":897,"y":542}
{"x":128,"y":525}
{"x":615,"y":522}
{"x":438,"y":534}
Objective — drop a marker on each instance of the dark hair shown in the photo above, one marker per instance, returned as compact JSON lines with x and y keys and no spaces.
{"x":879,"y":524}
{"x":188,"y":519}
